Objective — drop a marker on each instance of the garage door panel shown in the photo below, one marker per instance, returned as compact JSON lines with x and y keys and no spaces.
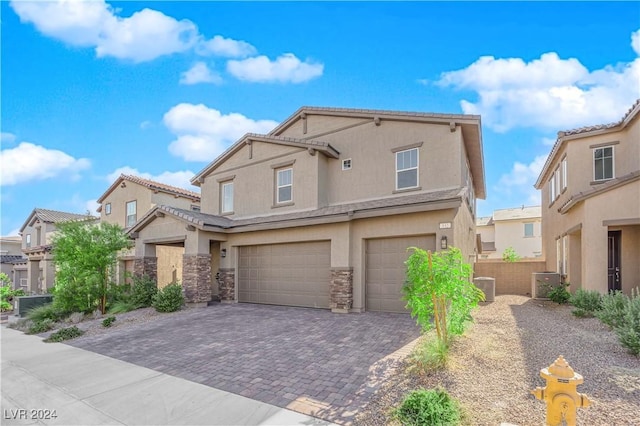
{"x":295,"y":274}
{"x":386,"y":273}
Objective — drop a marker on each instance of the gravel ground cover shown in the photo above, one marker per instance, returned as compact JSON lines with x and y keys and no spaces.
{"x":493,"y":368}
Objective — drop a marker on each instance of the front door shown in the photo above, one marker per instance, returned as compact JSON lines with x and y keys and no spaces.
{"x":613,"y":270}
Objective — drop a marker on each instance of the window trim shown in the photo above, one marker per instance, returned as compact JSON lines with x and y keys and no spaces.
{"x":222,"y":197}
{"x":278,"y":186}
{"x":107,"y":209}
{"x":126,"y":213}
{"x":417,"y":169}
{"x":344,"y":162}
{"x":27,"y":241}
{"x":533,"y":231}
{"x":563,"y":173}
{"x":613,"y":163}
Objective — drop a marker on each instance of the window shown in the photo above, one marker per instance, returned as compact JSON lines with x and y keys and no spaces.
{"x":285,"y":186}
{"x":346,"y":164}
{"x":556,"y":177}
{"x":195,"y":208}
{"x":131,"y":213}
{"x":227,"y":197}
{"x":603,"y":163}
{"x":564,"y":173}
{"x":107,"y":208}
{"x":552,"y":190}
{"x":407,"y":169}
{"x":559,"y":256}
{"x":564,"y":254}
{"x":528,"y":229}
{"x":28,"y":240}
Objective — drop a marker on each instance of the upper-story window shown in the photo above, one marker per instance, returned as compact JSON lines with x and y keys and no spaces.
{"x":226,"y":197}
{"x":603,"y":163}
{"x":552,"y":189}
{"x":131,"y":213}
{"x":28,"y":240}
{"x":346,"y":164}
{"x":284,"y":185}
{"x":195,"y":208}
{"x":563,"y":168}
{"x":107,"y":208}
{"x":528,"y":229}
{"x":407,"y":169}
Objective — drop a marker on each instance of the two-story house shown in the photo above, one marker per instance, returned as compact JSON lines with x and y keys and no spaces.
{"x":518,"y":228}
{"x":590,"y":187}
{"x":37,"y":232}
{"x":127,"y":199}
{"x":320,"y":211}
{"x":11,"y":256}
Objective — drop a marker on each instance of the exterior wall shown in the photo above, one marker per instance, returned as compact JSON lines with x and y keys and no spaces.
{"x":11,"y":246}
{"x":510,"y":233}
{"x":162,"y":198}
{"x":46,"y":234}
{"x":511,"y":278}
{"x":464,"y":234}
{"x":119,"y":198}
{"x":169,"y":265}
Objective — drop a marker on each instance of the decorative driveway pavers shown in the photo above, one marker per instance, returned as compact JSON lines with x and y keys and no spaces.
{"x":308,"y":360}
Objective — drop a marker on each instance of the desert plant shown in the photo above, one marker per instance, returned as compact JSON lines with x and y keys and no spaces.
{"x":428,"y":407}
{"x":122,"y":306}
{"x":169,"y":299}
{"x":586,"y":303}
{"x":7,"y":293}
{"x":142,"y":291}
{"x":559,"y":294}
{"x":431,"y":354}
{"x":438,"y":289}
{"x":45,"y":312}
{"x":613,"y":308}
{"x":510,"y":255}
{"x":40,"y":326}
{"x":64,"y":334}
{"x":75,"y":318}
{"x":628,"y":331}
{"x":108,"y":321}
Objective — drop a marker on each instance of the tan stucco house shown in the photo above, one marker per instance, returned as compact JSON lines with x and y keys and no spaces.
{"x":37,"y":232}
{"x":11,"y":257}
{"x":126,"y":200}
{"x":518,"y":228}
{"x":591,"y":205}
{"x":320,"y":211}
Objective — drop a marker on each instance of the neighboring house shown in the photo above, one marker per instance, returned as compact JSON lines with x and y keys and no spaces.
{"x":37,"y":232}
{"x":320,"y":211}
{"x":518,"y":228}
{"x":591,"y":210}
{"x":10,"y":256}
{"x":128,"y":199}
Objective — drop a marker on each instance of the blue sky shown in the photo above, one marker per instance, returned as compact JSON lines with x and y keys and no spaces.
{"x":158,"y":89}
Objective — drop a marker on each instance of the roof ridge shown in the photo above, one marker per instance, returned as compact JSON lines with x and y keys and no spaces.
{"x":149,"y":182}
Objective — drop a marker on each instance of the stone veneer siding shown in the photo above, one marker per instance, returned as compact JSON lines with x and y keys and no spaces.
{"x":146,"y":266}
{"x":227,"y":285}
{"x":341,"y":289}
{"x":196,"y":278}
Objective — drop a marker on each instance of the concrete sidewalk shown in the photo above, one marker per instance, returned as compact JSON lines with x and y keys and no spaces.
{"x":84,"y":388}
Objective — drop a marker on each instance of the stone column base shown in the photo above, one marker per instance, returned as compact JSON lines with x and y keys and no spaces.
{"x":227,"y":285}
{"x":341,"y":290}
{"x":146,"y":266}
{"x":196,"y":279}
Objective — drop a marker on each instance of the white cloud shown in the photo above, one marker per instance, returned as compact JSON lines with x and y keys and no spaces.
{"x":6,"y":137}
{"x":548,"y":93}
{"x":286,"y":68}
{"x":146,"y":124}
{"x":226,"y":47}
{"x":91,"y":206}
{"x":520,"y":180}
{"x":181,"y":179}
{"x":143,"y":36}
{"x":548,"y":141}
{"x":200,"y":73}
{"x":203,"y":133}
{"x":29,"y":162}
{"x":635,"y":42}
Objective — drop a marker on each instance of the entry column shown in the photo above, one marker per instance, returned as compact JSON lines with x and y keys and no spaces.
{"x":196,"y":269}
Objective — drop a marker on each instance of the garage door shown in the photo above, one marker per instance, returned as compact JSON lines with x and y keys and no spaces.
{"x":386,"y":271}
{"x":295,"y":274}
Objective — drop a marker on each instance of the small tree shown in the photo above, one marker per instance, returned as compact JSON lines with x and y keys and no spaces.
{"x":84,"y":255}
{"x":510,"y":255}
{"x":438,"y":287}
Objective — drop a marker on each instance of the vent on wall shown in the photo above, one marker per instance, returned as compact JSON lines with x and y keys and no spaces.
{"x":346,"y":164}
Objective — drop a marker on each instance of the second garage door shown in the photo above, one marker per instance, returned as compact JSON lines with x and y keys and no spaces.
{"x":295,"y":274}
{"x":386,"y":271}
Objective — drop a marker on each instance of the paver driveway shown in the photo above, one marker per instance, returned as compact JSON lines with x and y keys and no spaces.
{"x":308,"y":360}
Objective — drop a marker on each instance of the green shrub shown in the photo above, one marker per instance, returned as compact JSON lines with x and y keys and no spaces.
{"x":108,"y":321}
{"x":169,"y":299}
{"x":559,"y":294}
{"x":44,"y":312}
{"x":38,"y":327}
{"x":628,"y":330}
{"x":5,"y":306}
{"x":7,"y":294}
{"x":428,"y":407}
{"x":64,"y":334}
{"x":613,"y":308}
{"x":586,"y":303}
{"x":121,"y":306}
{"x":431,"y":354}
{"x":143,"y":291}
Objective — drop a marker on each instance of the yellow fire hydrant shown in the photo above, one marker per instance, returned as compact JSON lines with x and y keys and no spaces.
{"x":560,"y":394}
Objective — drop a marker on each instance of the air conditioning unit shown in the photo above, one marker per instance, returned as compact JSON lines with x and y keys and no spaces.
{"x":542,"y":282}
{"x":26,"y":303}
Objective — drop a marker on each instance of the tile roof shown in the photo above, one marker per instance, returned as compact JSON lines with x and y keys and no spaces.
{"x":53,"y":216}
{"x":203,"y":219}
{"x":586,"y":129}
{"x":12,"y":258}
{"x":484,"y":221}
{"x":518,"y":213}
{"x":153,"y":185}
{"x":610,"y":184}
